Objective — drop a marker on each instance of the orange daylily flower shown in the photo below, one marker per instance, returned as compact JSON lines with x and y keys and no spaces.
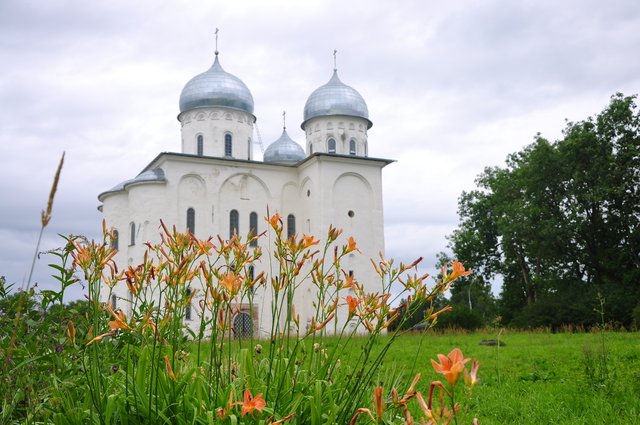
{"x":309,"y":241}
{"x":169,"y":368}
{"x":351,"y":245}
{"x":71,"y":332}
{"x":119,"y":320}
{"x":353,"y":304}
{"x":378,"y":402}
{"x":274,"y":221}
{"x":457,"y":270}
{"x":471,"y":378}
{"x":450,"y":366}
{"x":251,"y":403}
{"x":101,"y":337}
{"x":231,"y":282}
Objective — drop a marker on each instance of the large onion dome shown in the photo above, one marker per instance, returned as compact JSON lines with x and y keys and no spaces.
{"x":335,"y":98}
{"x":284,"y":151}
{"x":216,"y":87}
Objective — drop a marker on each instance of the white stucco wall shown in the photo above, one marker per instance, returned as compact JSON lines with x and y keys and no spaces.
{"x":342,"y":129}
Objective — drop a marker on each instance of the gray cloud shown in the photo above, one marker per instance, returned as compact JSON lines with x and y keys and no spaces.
{"x":451,"y":88}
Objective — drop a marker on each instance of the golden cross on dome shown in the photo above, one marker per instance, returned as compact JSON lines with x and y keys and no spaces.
{"x":284,"y":120}
{"x":335,"y":66}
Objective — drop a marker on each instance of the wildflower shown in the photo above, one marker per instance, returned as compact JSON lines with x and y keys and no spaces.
{"x":231,"y":283}
{"x":308,"y":241}
{"x":71,"y":332}
{"x":457,"y":270}
{"x":360,"y":411}
{"x":352,"y":302}
{"x":120,"y":320}
{"x":169,"y":369}
{"x":434,"y":316}
{"x":101,"y":337}
{"x":251,"y":403}
{"x":450,"y":366}
{"x":471,"y":378}
{"x":378,"y":402}
{"x":286,"y":418}
{"x":275,"y":221}
{"x":351,"y":245}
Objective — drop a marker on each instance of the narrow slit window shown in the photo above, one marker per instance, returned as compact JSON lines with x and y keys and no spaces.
{"x":132,"y":231}
{"x":233,"y":223}
{"x":200,"y":145}
{"x":291,"y":226}
{"x":191,"y":220}
{"x":352,"y":147}
{"x":114,"y":240}
{"x":228,"y":145}
{"x":253,"y":228}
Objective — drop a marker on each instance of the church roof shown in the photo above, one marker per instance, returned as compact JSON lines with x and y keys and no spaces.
{"x":216,"y":87}
{"x":284,"y":150}
{"x":155,"y":175}
{"x":335,"y":98}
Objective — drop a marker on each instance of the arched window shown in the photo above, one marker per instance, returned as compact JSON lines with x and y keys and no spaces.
{"x":228,"y":145}
{"x":352,"y":147}
{"x":233,"y":223}
{"x":310,"y":149}
{"x":366,"y":149}
{"x":114,"y":300}
{"x":191,"y":220}
{"x":253,"y":228}
{"x":187,"y":310}
{"x":249,"y":148}
{"x":115,"y":240}
{"x":291,"y":226}
{"x":132,"y":233}
{"x":331,"y":146}
{"x":200,"y":145}
{"x":242,"y":325}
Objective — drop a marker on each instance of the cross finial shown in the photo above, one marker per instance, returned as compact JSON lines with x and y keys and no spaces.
{"x":284,"y":120}
{"x":217,"y":41}
{"x":335,"y":66}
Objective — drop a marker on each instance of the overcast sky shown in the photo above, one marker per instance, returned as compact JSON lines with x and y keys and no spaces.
{"x":451,"y":88}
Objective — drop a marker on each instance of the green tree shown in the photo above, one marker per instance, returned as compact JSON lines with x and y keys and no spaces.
{"x":560,"y":223}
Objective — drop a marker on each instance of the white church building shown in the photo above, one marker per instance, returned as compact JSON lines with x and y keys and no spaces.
{"x":214,"y":186}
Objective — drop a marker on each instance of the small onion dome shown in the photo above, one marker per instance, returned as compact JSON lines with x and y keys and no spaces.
{"x":335,"y":98}
{"x":216,"y":87}
{"x":284,"y":151}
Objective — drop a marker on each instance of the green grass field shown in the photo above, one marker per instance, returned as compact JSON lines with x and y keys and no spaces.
{"x":537,"y":378}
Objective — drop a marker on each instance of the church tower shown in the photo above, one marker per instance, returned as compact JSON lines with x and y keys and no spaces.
{"x":336,"y":120}
{"x":216,"y":115}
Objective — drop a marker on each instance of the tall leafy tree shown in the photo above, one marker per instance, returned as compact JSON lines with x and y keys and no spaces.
{"x":560,"y":223}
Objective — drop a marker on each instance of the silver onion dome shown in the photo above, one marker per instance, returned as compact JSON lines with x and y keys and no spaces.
{"x":216,"y":87}
{"x":284,"y":151}
{"x":335,"y":98}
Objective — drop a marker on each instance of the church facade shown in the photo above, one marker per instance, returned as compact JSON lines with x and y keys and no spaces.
{"x":214,"y":186}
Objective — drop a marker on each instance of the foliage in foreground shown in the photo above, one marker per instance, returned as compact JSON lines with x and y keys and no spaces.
{"x":101,"y":366}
